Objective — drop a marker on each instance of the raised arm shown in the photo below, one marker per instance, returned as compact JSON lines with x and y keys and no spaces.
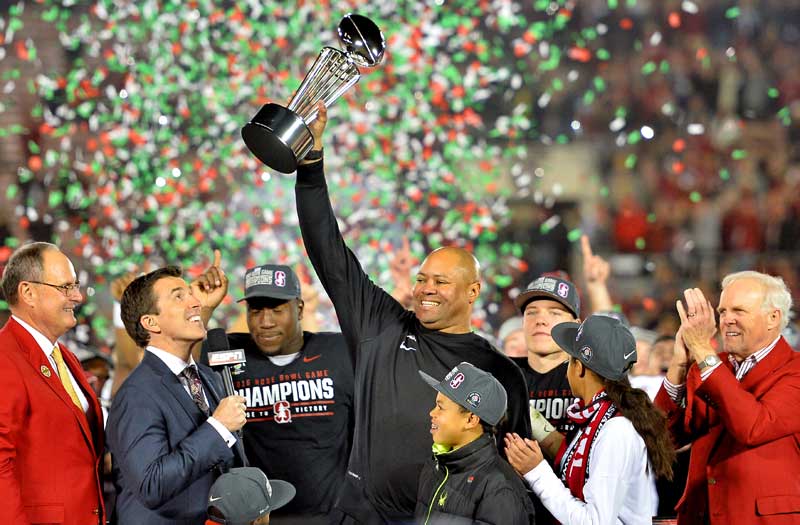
{"x":360,"y":305}
{"x":596,"y":271}
{"x":210,"y":289}
{"x":126,"y":354}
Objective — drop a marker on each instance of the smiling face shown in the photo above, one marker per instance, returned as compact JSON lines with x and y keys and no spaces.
{"x":538,"y":319}
{"x":177,"y":324}
{"x":445,"y":289}
{"x":450,"y":423}
{"x":745,"y":324}
{"x":274,"y":325}
{"x":51,"y":312}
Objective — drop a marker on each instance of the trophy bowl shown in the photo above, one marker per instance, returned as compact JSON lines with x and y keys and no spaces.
{"x":279,"y":136}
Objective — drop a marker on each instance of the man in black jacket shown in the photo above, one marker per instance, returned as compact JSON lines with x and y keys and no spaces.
{"x":467,"y":481}
{"x":390,"y":345}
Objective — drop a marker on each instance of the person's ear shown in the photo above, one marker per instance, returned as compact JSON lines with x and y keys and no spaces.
{"x":582,"y":372}
{"x":150,"y":323}
{"x":26,"y":293}
{"x":472,"y":422}
{"x":474,"y":291}
{"x":774,"y":319}
{"x":300,"y":305}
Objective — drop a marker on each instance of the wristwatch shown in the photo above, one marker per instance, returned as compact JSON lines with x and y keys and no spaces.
{"x":314,"y":154}
{"x":708,"y":361}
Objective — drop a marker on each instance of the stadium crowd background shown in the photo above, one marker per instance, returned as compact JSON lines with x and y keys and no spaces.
{"x":666,"y":131}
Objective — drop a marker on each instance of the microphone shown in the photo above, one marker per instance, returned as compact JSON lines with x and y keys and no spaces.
{"x":221,"y":355}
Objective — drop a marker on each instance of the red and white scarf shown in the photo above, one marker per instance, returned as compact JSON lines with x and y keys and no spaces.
{"x":573,"y":457}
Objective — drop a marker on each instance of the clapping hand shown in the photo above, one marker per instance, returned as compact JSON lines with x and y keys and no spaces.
{"x":698,"y":324}
{"x":523,"y":454}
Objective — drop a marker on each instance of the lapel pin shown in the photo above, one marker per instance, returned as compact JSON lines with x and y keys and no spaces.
{"x":45,"y":371}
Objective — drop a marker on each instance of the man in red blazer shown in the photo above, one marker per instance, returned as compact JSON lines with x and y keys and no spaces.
{"x":739,"y":409}
{"x":51,"y":425}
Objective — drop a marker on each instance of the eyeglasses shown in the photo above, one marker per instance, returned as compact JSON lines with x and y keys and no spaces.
{"x":66,"y":289}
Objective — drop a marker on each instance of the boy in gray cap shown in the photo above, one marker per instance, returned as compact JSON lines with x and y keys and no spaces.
{"x":244,"y":496}
{"x":468,"y":481}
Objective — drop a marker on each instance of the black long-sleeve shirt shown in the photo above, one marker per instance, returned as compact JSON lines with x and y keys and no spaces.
{"x":391,"y":438}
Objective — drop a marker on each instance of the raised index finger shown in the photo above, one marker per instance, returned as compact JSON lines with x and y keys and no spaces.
{"x":586,"y":247}
{"x":217,"y":258}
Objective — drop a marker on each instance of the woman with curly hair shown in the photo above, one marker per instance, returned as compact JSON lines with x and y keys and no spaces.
{"x":620,"y":443}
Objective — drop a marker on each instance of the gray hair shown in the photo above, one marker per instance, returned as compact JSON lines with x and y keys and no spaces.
{"x":25,"y":264}
{"x":776,"y":293}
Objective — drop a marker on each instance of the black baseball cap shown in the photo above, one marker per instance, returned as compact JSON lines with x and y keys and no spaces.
{"x":273,"y":281}
{"x":601,"y":343}
{"x":551,"y":287}
{"x":472,"y":388}
{"x":245,"y":494}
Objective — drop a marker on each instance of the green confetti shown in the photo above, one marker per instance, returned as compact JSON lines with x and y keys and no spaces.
{"x":695,"y":197}
{"x":574,"y":235}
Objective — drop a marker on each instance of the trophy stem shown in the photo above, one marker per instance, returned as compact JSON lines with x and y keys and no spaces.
{"x":332,"y":73}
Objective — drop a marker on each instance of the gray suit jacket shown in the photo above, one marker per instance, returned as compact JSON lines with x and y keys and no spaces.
{"x":165,"y":454}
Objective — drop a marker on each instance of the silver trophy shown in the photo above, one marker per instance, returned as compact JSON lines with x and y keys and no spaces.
{"x":279,"y":136}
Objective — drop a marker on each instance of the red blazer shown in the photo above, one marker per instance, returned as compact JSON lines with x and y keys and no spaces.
{"x":745,"y":460}
{"x":50,"y":452}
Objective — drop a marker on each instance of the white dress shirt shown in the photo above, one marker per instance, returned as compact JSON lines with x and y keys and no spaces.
{"x":176,"y":366}
{"x":678,"y":392}
{"x":47,"y":347}
{"x":618,"y":488}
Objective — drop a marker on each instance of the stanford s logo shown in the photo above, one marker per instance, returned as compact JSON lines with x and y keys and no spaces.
{"x":457,"y":380}
{"x":282,"y":412}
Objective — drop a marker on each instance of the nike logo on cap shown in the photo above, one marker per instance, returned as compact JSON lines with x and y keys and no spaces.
{"x":312,"y":358}
{"x":626,"y":356}
{"x":211,"y":500}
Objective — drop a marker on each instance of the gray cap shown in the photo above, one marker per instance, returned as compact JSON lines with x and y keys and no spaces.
{"x":472,"y":388}
{"x":273,"y":281}
{"x":245,"y":494}
{"x":619,"y":316}
{"x":601,"y":343}
{"x":553,"y":288}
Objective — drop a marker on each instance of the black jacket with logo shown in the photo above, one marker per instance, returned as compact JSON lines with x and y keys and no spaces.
{"x":391,"y":438}
{"x":472,"y":485}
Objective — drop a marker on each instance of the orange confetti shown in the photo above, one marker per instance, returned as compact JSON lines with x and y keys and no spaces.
{"x":580,"y":54}
{"x":35,"y":162}
{"x":22,"y":51}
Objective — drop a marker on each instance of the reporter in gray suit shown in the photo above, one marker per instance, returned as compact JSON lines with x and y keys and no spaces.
{"x":169,"y":431}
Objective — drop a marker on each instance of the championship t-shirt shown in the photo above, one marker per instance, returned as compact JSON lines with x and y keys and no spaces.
{"x":550,"y":393}
{"x":299,"y":417}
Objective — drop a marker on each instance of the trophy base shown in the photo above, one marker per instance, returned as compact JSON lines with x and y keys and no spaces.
{"x":278,"y":137}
